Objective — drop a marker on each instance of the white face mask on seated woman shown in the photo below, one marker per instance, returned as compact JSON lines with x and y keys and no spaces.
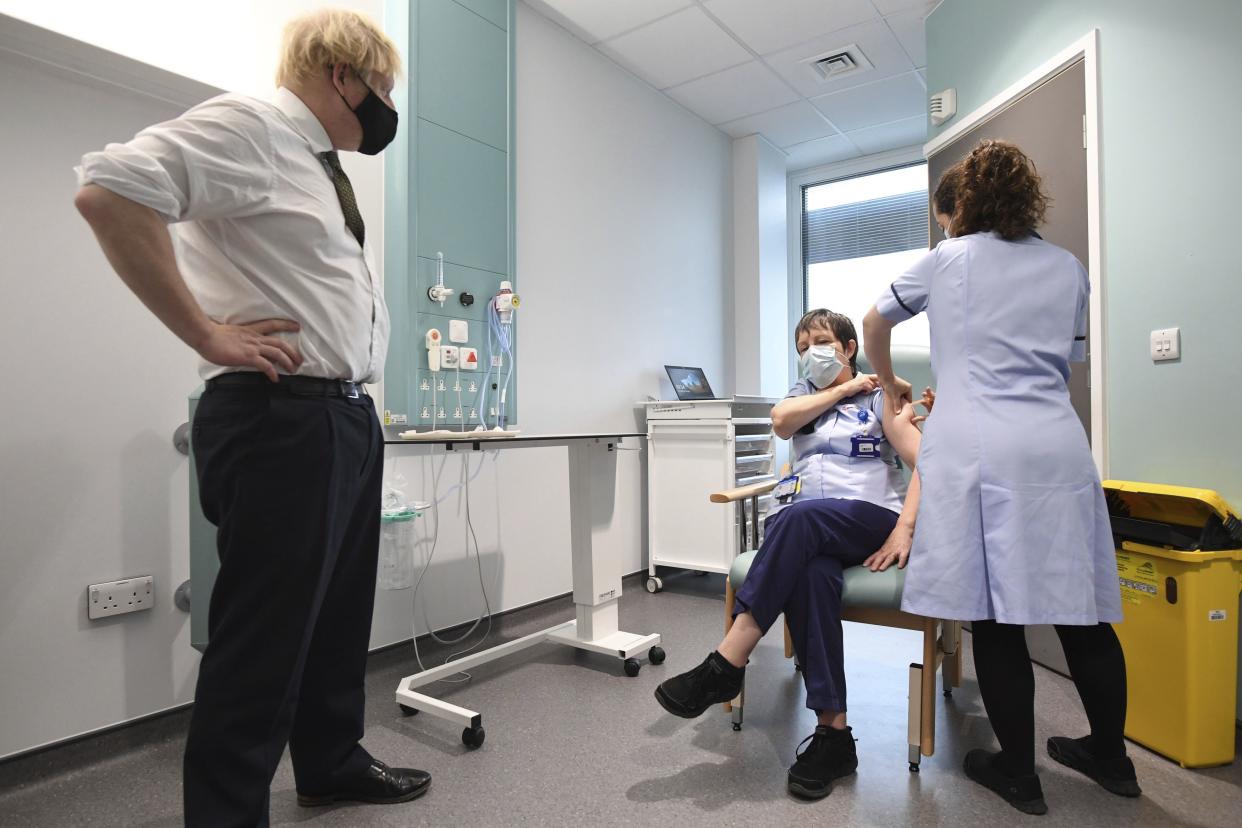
{"x":820,"y":365}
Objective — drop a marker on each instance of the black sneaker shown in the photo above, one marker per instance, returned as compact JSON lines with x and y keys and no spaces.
{"x":830,"y":755}
{"x":715,"y":681}
{"x":1115,"y":775}
{"x":1022,"y":792}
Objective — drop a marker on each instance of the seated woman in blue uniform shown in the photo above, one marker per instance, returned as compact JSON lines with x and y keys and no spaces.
{"x":842,"y":507}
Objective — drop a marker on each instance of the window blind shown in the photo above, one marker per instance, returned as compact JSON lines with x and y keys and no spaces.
{"x":864,"y":228}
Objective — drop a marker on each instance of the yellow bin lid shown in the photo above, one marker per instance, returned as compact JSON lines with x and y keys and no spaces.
{"x":1178,"y":517}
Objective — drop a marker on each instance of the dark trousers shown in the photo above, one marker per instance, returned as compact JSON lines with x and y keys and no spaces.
{"x":1007,"y":685}
{"x":293,"y":484}
{"x":800,"y":571}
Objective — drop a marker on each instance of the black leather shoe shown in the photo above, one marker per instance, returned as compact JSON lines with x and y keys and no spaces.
{"x":378,"y":784}
{"x":1022,"y":792}
{"x":1115,"y":775}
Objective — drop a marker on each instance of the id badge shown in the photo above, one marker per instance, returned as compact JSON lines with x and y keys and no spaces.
{"x":865,"y":447}
{"x":787,"y":488}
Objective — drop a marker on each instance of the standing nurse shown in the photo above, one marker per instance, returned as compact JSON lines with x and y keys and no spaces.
{"x":1012,"y":527}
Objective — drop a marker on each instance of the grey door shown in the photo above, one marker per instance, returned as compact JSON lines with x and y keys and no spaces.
{"x":1048,"y":124}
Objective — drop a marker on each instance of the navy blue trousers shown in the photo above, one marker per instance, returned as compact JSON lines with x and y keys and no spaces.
{"x":799,"y":571}
{"x":293,"y":484}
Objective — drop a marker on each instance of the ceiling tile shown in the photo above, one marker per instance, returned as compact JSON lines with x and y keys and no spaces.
{"x":676,"y":49}
{"x":734,"y":93}
{"x":820,"y":151}
{"x":876,"y":103}
{"x":908,"y":27}
{"x":890,"y":6}
{"x":905,"y":133}
{"x":595,"y":20}
{"x":793,"y":124}
{"x":875,"y":41}
{"x":775,"y":24}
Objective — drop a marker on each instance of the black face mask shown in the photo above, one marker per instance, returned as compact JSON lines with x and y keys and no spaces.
{"x":378,"y":121}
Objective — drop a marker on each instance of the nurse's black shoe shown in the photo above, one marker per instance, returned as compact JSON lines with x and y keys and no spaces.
{"x":715,"y":681}
{"x":1022,"y":792}
{"x":1115,"y":775}
{"x":830,"y":755}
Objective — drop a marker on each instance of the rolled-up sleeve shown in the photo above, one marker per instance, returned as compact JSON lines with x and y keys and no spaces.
{"x":907,"y":296}
{"x":213,"y":162}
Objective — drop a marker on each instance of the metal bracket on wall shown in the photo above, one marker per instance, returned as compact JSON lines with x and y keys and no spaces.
{"x":181,"y":439}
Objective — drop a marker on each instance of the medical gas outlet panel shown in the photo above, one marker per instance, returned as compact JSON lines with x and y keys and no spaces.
{"x":465,"y":350}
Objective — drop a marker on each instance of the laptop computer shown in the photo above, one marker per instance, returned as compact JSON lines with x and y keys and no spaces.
{"x":689,"y":383}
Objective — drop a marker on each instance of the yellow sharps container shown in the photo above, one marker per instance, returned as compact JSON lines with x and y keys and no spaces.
{"x":1179,"y":558}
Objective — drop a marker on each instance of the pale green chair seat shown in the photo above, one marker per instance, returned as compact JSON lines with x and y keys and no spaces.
{"x":863,"y":588}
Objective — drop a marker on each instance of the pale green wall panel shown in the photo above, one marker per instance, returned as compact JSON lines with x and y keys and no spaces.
{"x":462,"y":72}
{"x":462,"y":200}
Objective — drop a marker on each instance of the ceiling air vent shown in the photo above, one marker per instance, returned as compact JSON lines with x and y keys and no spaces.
{"x":837,"y":63}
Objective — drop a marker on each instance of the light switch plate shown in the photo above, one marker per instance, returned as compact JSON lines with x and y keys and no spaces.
{"x":1166,"y":344}
{"x":459,"y":331}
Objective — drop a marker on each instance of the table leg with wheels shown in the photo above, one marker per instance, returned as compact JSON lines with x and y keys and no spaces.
{"x":597,"y":576}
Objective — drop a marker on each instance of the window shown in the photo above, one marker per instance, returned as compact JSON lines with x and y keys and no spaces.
{"x":858,"y":235}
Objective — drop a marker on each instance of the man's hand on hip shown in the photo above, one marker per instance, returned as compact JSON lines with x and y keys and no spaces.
{"x":253,"y":346}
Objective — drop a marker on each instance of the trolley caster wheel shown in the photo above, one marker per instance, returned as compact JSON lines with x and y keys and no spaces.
{"x":797,"y":667}
{"x":948,"y":694}
{"x":632,"y":667}
{"x":737,"y":726}
{"x":655,"y":655}
{"x":914,"y":767}
{"x":407,"y":710}
{"x":472,"y":737}
{"x":654,"y":585}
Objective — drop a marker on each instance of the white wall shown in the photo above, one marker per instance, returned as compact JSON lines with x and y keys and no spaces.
{"x":91,"y":487}
{"x":761,"y":340}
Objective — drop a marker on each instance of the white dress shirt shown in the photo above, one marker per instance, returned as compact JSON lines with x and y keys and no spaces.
{"x":258,"y":226}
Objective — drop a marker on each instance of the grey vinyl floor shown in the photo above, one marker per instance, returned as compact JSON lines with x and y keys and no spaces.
{"x":572,"y":741}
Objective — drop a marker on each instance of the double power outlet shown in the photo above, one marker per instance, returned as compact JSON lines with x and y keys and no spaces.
{"x":120,"y":597}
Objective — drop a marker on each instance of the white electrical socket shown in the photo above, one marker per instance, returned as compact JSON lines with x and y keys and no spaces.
{"x":448,"y":356}
{"x":120,"y":597}
{"x":1166,"y":344}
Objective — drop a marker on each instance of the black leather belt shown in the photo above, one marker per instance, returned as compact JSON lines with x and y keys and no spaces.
{"x":298,"y":386}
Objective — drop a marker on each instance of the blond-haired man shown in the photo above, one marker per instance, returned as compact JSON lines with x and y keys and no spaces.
{"x":273,"y":284}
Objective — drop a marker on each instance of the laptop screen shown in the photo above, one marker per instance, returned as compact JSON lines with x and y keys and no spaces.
{"x":689,"y":383}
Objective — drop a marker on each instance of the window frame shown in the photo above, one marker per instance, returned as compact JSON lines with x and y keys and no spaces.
{"x":795,"y":182}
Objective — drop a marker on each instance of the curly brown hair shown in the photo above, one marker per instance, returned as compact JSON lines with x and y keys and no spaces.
{"x":994,"y":188}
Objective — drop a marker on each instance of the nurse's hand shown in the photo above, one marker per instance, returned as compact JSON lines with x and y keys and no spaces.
{"x":896,"y":550}
{"x":897,"y":392}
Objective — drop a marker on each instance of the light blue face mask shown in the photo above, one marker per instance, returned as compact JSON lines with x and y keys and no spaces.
{"x":820,"y":365}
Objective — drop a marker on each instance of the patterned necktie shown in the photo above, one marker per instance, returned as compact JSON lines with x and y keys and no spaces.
{"x":345,"y":193}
